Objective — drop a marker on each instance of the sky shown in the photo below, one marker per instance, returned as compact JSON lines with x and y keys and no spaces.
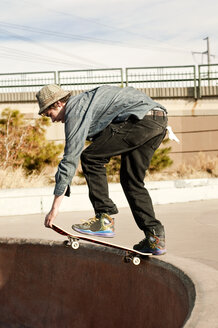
{"x":88,"y":34}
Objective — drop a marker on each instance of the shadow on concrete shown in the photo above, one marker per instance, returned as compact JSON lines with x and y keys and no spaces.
{"x":44,"y":284}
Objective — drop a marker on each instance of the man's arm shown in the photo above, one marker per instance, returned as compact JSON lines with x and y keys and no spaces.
{"x":54,"y":210}
{"x":77,"y":123}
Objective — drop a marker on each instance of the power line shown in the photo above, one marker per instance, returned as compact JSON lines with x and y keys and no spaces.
{"x":29,"y":56}
{"x":89,"y":39}
{"x":50,"y":48}
{"x":55,"y":33}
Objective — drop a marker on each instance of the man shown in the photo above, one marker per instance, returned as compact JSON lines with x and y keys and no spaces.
{"x":118,"y":121}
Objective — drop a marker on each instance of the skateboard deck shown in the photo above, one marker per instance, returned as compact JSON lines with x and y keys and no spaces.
{"x":73,"y":241}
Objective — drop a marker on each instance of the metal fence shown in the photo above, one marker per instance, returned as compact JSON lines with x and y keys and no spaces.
{"x":158,"y":82}
{"x":25,"y":82}
{"x":208,"y":80}
{"x":80,"y":80}
{"x":181,"y":80}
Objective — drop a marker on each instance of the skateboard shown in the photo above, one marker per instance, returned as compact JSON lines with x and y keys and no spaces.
{"x":73,"y":241}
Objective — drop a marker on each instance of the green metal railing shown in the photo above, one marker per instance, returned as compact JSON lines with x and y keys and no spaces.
{"x":25,"y":82}
{"x":86,"y":79}
{"x":158,"y":82}
{"x":162,"y":77}
{"x":208,"y":80}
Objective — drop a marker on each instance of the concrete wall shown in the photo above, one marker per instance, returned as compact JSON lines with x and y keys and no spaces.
{"x":194,"y":121}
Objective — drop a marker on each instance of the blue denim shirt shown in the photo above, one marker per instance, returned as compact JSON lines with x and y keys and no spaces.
{"x":89,"y":113}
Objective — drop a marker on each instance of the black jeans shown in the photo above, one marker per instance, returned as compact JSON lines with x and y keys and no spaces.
{"x":135,"y":140}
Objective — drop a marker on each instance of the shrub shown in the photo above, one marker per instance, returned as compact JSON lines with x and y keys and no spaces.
{"x":113,"y":167}
{"x":160,"y":159}
{"x":24,"y":144}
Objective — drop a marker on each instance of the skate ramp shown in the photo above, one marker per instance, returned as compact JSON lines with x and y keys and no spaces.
{"x":44,"y":284}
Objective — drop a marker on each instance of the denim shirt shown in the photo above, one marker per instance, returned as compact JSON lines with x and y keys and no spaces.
{"x":88,"y":114}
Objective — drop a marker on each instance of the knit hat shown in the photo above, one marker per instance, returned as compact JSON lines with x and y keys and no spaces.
{"x":49,"y":95}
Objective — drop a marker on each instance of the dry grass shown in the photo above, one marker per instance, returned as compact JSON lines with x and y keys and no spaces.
{"x":202,"y":167}
{"x":11,"y":178}
{"x":16,"y":178}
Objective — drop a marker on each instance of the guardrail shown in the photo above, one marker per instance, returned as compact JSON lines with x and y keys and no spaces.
{"x":87,"y":79}
{"x":157,"y":82}
{"x":208,"y":80}
{"x":26,"y":81}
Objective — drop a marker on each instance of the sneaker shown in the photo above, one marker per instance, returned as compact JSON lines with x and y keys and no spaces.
{"x":152,"y":243}
{"x":102,"y":225}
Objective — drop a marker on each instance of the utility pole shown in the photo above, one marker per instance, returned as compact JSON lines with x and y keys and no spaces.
{"x":208,"y":58}
{"x":207,"y":52}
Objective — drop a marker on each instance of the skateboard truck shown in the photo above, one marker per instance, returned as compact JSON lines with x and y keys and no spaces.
{"x":132,"y":257}
{"x":73,"y":242}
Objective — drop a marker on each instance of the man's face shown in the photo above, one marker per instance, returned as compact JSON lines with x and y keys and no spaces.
{"x":56,"y":112}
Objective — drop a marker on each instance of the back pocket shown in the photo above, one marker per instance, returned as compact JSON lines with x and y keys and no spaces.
{"x":141,"y":132}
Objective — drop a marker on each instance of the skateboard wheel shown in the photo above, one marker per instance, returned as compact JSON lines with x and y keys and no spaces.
{"x":75,"y":244}
{"x":136,"y":260}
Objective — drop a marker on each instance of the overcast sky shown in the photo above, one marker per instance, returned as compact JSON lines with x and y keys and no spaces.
{"x":84,"y":34}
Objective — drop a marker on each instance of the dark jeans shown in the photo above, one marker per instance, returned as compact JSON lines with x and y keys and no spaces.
{"x":135,"y":140}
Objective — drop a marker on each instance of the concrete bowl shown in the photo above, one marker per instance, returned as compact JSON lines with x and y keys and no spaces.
{"x":44,"y":284}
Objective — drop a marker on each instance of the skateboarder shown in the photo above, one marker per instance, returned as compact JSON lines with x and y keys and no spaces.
{"x":117,"y":121}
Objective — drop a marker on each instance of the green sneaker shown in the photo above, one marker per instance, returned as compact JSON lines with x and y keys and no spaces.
{"x":102,"y":225}
{"x":152,"y":243}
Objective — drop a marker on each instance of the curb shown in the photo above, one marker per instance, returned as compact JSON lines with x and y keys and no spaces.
{"x":39,"y":200}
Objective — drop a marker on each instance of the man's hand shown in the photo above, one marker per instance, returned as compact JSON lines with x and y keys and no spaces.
{"x":54,"y":210}
{"x":50,"y":218}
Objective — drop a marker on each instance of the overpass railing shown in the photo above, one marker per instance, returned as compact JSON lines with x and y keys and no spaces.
{"x":160,"y":82}
{"x":208,"y":80}
{"x":26,"y":81}
{"x":157,"y":82}
{"x":80,"y":80}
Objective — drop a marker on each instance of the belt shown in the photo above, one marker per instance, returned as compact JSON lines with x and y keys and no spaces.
{"x":157,"y":112}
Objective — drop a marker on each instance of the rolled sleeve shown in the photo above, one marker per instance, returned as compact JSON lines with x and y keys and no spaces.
{"x":60,"y":188}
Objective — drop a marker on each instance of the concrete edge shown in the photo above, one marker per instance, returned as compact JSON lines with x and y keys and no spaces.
{"x":38,"y":200}
{"x":200,"y":280}
{"x":205,"y":280}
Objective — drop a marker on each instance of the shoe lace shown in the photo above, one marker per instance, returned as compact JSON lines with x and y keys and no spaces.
{"x":89,"y":221}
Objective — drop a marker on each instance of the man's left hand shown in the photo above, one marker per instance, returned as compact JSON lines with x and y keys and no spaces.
{"x":50,"y":218}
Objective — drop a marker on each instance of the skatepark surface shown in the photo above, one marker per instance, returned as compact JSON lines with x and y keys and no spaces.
{"x":44,"y":284}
